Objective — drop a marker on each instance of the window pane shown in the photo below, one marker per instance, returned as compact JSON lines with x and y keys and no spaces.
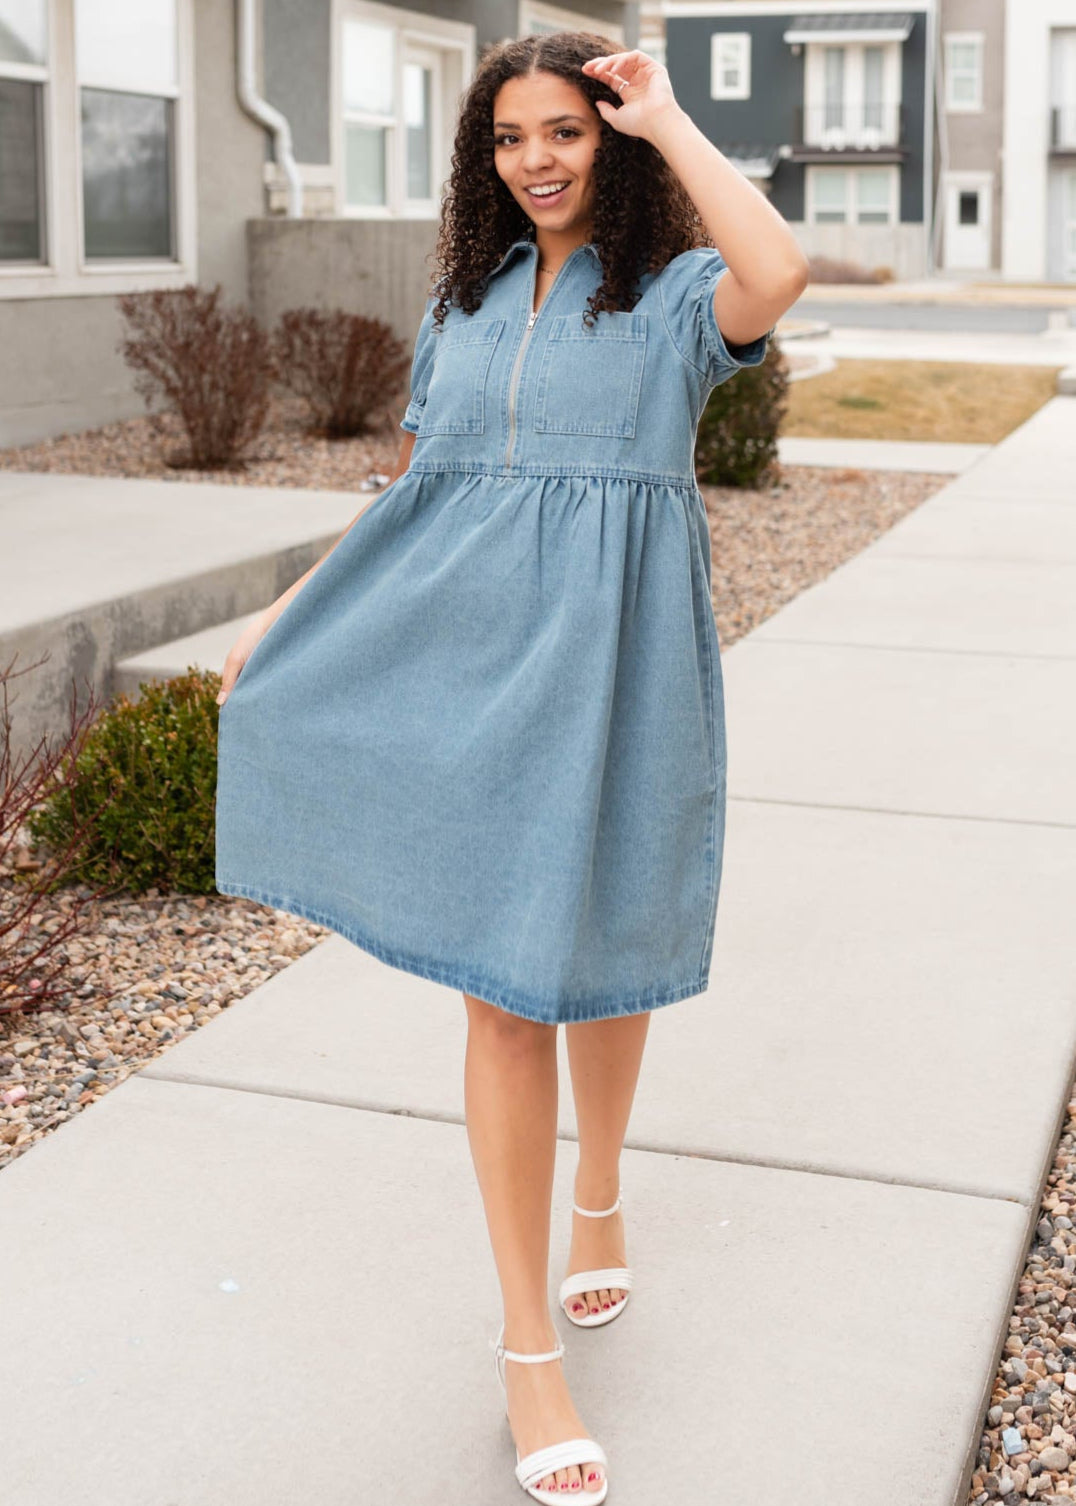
{"x":873,"y":190}
{"x":128,"y":42}
{"x":365,"y":164}
{"x":369,"y":67}
{"x":872,"y":197}
{"x":21,"y":213}
{"x":22,"y":31}
{"x":417,"y":86}
{"x":834,"y":85}
{"x":830,"y":190}
{"x":968,"y":208}
{"x":732,"y":57}
{"x":872,"y":87}
{"x":126,"y":174}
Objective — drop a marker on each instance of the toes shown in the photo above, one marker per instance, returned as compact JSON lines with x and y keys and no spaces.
{"x":547,"y":1482}
{"x":576,"y":1305}
{"x":593,"y":1477}
{"x":604,"y":1300}
{"x":593,"y":1305}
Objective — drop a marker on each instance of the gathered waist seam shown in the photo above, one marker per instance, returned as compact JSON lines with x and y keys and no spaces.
{"x":563,"y":472}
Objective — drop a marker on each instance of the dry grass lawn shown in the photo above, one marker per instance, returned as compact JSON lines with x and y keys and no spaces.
{"x":954,"y":401}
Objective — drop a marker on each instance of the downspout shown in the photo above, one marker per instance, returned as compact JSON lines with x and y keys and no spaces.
{"x":262,"y":111}
{"x":937,"y":229}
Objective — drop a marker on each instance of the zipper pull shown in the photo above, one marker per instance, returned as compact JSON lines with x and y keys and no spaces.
{"x":532,"y":318}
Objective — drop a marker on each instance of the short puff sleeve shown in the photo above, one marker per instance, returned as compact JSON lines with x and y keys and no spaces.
{"x":421,"y":369}
{"x":686,"y":289}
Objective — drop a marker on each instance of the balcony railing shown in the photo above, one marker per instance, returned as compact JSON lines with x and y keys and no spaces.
{"x":1063,"y":128}
{"x":850,"y":127}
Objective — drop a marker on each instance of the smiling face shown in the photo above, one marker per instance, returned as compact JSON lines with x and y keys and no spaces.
{"x":546,"y":133}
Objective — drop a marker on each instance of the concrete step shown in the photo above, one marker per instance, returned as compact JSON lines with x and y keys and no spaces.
{"x":205,"y":650}
{"x":97,"y":568}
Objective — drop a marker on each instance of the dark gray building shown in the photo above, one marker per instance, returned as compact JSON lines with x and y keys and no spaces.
{"x":828,"y":108}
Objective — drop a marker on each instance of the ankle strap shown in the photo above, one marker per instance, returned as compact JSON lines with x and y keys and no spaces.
{"x":529,"y":1359}
{"x":602,"y":1213}
{"x":500,"y":1354}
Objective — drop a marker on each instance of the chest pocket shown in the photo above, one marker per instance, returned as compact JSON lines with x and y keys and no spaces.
{"x":456,"y":396}
{"x":589,"y":380}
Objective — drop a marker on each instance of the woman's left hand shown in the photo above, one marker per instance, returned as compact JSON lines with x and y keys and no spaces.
{"x":643,"y":86}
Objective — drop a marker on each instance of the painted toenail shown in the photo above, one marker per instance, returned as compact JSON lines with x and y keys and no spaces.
{"x":605,"y":1305}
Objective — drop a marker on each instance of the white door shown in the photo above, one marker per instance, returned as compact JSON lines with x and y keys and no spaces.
{"x":1063,"y":87}
{"x":968,"y":218}
{"x":1068,"y":227}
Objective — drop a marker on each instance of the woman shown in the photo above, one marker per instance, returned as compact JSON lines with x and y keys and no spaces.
{"x":484,"y":739}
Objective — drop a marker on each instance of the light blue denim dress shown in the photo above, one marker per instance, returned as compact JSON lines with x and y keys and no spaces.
{"x":485,"y":742}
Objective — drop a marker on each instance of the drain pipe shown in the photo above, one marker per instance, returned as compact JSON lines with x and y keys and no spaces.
{"x":262,"y":111}
{"x":941,"y":198}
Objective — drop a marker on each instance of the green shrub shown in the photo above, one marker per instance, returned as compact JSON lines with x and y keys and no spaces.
{"x":149,"y":768}
{"x":737,"y":436}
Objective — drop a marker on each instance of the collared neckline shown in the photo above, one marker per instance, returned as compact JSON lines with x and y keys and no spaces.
{"x":526,"y":241}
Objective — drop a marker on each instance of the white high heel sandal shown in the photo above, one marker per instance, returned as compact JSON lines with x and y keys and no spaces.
{"x":546,"y":1461}
{"x":594,"y":1281}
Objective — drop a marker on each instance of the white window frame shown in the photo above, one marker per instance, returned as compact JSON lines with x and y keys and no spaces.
{"x":853,"y":169}
{"x":814,"y":94}
{"x":977,"y":40}
{"x":66,"y":272}
{"x":741,"y":41}
{"x":532,"y":11}
{"x":455,"y":41}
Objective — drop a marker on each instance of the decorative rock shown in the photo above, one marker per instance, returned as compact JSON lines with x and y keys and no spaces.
{"x":1012,"y":1441}
{"x":1054,"y":1459}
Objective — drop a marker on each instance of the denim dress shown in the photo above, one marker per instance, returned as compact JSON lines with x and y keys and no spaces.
{"x":485,"y":742}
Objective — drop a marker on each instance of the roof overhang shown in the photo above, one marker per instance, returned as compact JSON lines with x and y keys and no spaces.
{"x":870,"y":26}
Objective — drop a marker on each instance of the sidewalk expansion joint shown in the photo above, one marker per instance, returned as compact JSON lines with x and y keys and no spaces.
{"x":888,"y":810}
{"x":914,"y":648}
{"x":431,"y":1117}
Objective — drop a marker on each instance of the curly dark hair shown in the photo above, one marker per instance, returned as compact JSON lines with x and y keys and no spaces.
{"x":643,"y":215}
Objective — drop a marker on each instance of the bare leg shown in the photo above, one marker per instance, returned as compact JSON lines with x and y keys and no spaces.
{"x":510,"y":1094}
{"x":604,"y":1057}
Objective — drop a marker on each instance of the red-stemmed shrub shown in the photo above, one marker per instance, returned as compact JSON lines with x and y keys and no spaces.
{"x":345,"y":367}
{"x":209,"y":364}
{"x":34,"y":967}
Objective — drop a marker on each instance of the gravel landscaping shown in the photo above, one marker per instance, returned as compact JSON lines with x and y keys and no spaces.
{"x":149,"y":970}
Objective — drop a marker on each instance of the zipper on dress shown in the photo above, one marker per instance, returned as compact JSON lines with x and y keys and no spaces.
{"x":513,"y":381}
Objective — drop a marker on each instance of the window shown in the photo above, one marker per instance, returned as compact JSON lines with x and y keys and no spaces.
{"x":125,"y":53}
{"x":535,"y":16}
{"x":852,"y":195}
{"x":730,"y":65}
{"x":963,"y":71}
{"x":23,"y":77}
{"x":852,"y":94}
{"x":400,"y":76}
{"x":96,"y":147}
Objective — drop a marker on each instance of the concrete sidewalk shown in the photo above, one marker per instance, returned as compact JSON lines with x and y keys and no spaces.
{"x":258,"y":1271}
